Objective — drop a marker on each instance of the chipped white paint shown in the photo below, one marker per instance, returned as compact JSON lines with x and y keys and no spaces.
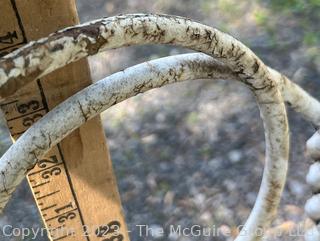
{"x":114,"y":32}
{"x":3,"y":77}
{"x":14,"y":73}
{"x":236,"y":62}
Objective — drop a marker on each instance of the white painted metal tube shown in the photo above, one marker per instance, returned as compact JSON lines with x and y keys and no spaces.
{"x":72,"y":113}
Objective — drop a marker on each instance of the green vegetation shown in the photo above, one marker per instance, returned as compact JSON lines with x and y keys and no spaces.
{"x":306,"y":13}
{"x":295,"y":6}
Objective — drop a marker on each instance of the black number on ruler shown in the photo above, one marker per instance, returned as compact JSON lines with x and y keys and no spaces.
{"x":114,"y":238}
{"x":43,"y":163}
{"x":66,"y":217}
{"x":48,"y":173}
{"x":8,"y":38}
{"x":112,"y":228}
{"x":33,"y":105}
{"x":28,"y":121}
{"x":69,"y":205}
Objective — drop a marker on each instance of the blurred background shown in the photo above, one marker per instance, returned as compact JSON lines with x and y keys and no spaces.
{"x":193,"y":153}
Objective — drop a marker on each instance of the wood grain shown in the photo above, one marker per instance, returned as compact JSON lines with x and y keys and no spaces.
{"x":74,"y":186}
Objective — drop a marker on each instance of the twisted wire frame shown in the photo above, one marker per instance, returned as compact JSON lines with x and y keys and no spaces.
{"x":222,"y":57}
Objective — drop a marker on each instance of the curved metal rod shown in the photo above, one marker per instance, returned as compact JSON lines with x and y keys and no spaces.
{"x":89,"y":102}
{"x":41,"y":57}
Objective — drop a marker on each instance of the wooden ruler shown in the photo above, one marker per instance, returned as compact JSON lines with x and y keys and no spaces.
{"x":74,"y":186}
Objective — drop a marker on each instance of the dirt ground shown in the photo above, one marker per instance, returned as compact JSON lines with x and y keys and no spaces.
{"x":193,"y":153}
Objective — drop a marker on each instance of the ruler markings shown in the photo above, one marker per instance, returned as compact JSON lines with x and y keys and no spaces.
{"x":62,"y":214}
{"x":30,"y":113}
{"x":8,"y":103}
{"x":17,"y":134}
{"x":73,"y":192}
{"x":24,"y":40}
{"x":41,"y":184}
{"x":46,"y":208}
{"x":47,"y":195}
{"x":43,"y":97}
{"x":45,"y":104}
{"x":44,"y":169}
{"x":21,"y":113}
{"x":59,"y":227}
{"x":63,"y":237}
{"x":15,"y":9}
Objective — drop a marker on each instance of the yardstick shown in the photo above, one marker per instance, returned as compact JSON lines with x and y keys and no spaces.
{"x":74,"y":185}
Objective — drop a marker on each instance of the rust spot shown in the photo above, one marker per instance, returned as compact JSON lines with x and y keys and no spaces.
{"x":255,"y":66}
{"x":11,"y":86}
{"x":208,"y":34}
{"x":7,"y":65}
{"x":271,"y":197}
{"x":239,"y":56}
{"x":172,"y":41}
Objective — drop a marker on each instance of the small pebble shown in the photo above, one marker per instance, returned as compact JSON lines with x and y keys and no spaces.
{"x":297,"y":188}
{"x":313,"y":146}
{"x":313,"y":176}
{"x":235,"y":156}
{"x":312,"y":234}
{"x":312,"y":207}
